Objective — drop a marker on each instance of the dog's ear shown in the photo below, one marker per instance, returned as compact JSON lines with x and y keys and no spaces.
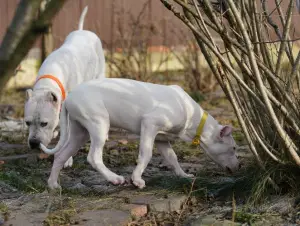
{"x":225,"y":131}
{"x":28,"y":94}
{"x":52,"y":97}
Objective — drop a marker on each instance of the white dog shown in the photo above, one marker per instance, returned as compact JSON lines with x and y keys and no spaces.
{"x":158,"y":113}
{"x":79,"y":59}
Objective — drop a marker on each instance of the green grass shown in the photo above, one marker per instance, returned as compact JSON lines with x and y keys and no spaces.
{"x":250,"y":183}
{"x":25,"y":177}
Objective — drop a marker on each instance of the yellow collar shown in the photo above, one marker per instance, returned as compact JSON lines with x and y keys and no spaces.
{"x":196,"y":140}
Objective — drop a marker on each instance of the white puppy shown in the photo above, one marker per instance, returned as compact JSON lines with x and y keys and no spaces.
{"x":79,"y":59}
{"x":157,"y":113}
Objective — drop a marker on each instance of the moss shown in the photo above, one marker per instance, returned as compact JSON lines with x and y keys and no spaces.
{"x":24,"y":177}
{"x":63,"y":217}
{"x":4,"y":211}
{"x":239,"y":137}
{"x":246,"y":217}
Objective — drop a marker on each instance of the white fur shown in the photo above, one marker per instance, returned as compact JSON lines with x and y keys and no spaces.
{"x":79,"y":59}
{"x":157,"y":113}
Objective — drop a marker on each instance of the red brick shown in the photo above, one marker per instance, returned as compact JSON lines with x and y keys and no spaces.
{"x":136,"y":210}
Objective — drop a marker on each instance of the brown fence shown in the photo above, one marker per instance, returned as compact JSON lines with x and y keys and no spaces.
{"x":103,"y":18}
{"x":107,"y":17}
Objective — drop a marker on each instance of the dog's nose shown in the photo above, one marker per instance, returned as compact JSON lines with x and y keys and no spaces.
{"x":34,"y":143}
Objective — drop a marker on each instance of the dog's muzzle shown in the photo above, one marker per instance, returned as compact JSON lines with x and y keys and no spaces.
{"x":34,"y":143}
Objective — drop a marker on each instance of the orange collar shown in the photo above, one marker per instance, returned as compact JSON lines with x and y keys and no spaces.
{"x":62,"y":89}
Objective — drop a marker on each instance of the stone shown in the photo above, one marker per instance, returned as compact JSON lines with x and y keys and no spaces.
{"x":31,"y":159}
{"x":104,"y":217}
{"x":176,"y":202}
{"x":111,"y":145}
{"x":67,"y":181}
{"x":136,"y":210}
{"x":281,"y":205}
{"x":26,"y":219}
{"x":104,"y":189}
{"x":208,"y":220}
{"x":80,"y":188}
{"x":170,"y":204}
{"x":8,"y":192}
{"x":95,"y":179}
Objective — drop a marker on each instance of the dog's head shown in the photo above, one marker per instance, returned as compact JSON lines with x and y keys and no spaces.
{"x":221,"y":148}
{"x":41,"y":116}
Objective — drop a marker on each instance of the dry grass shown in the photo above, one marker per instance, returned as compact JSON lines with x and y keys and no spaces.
{"x":16,"y":98}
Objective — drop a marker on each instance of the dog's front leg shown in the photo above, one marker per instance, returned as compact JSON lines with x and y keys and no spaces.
{"x":148,"y":133}
{"x":78,"y":137}
{"x":99,"y":132}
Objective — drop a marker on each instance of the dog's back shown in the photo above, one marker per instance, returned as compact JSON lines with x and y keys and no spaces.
{"x":126,"y":101}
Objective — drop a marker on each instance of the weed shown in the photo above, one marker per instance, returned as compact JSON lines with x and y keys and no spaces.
{"x":62,"y":217}
{"x":4,"y":211}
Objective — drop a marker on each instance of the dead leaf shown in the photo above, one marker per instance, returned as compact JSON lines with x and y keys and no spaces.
{"x":123,"y":141}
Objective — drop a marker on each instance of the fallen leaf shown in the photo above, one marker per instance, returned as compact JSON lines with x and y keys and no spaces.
{"x":123,"y":141}
{"x":43,"y":156}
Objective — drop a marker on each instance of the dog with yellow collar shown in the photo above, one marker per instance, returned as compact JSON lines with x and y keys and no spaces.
{"x":157,"y":113}
{"x":79,"y":59}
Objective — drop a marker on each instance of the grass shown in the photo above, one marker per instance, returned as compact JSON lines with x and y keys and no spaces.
{"x":25,"y":177}
{"x":250,"y":184}
{"x":4,"y":211}
{"x":63,"y":215}
{"x":14,"y":97}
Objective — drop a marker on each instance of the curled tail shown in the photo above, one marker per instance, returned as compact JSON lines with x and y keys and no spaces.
{"x":64,"y":125}
{"x":82,"y":16}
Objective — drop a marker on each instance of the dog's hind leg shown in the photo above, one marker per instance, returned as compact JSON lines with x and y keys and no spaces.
{"x":166,"y":150}
{"x":98,"y":130}
{"x":78,"y":137}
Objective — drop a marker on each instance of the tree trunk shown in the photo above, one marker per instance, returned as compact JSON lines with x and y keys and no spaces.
{"x":47,"y":44}
{"x":23,"y":32}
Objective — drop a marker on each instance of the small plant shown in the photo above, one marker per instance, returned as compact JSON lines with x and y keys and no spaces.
{"x":63,"y":217}
{"x":4,"y":211}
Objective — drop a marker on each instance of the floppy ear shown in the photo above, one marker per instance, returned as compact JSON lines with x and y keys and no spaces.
{"x":225,"y":131}
{"x":51,"y":97}
{"x":28,"y":94}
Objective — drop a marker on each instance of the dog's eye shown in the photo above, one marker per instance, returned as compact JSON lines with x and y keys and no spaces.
{"x":43,"y":124}
{"x":28,"y":123}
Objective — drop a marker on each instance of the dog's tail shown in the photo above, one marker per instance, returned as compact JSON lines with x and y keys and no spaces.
{"x":64,"y":132}
{"x":82,"y":16}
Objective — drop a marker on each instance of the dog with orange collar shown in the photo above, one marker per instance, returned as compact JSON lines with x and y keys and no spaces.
{"x":79,"y":59}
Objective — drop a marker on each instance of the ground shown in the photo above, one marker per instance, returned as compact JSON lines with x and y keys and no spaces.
{"x":214,"y":198}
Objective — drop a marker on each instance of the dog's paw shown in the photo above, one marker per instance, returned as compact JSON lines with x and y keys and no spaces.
{"x":117,"y":180}
{"x":189,"y":175}
{"x":140,"y":183}
{"x":68,"y":163}
{"x":181,"y":173}
{"x":53,"y":186}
